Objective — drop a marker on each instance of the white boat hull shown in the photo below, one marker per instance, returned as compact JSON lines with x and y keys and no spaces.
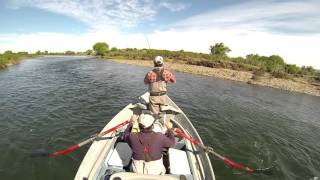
{"x":94,"y":163}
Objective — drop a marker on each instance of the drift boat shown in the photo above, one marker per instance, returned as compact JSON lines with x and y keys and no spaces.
{"x":110,"y":159}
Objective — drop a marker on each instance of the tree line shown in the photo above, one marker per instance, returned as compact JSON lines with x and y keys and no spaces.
{"x":216,"y":58}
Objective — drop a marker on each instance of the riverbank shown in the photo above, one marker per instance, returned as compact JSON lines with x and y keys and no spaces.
{"x":294,"y":84}
{"x":10,"y":59}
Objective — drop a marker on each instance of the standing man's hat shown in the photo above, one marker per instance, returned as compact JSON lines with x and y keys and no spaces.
{"x":158,"y":60}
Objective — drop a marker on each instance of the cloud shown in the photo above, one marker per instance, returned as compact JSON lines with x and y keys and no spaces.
{"x":286,"y":28}
{"x":174,"y":7}
{"x":270,"y":16}
{"x":59,"y":42}
{"x":97,"y":14}
{"x":300,"y":50}
{"x":101,"y":14}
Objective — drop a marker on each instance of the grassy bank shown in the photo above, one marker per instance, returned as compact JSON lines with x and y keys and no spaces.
{"x":271,"y":71}
{"x":294,"y":84}
{"x":274,"y":65}
{"x":9,"y":58}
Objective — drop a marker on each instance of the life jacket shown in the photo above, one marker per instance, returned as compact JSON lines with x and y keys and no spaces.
{"x":158,"y":83}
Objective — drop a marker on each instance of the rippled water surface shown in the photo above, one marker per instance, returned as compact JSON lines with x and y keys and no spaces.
{"x":55,"y":102}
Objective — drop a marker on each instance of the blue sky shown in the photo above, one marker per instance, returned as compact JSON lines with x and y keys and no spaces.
{"x":289,"y":28}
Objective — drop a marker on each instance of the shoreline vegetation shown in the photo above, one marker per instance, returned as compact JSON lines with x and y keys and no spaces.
{"x":8,"y":58}
{"x":293,"y":85}
{"x":253,"y":69}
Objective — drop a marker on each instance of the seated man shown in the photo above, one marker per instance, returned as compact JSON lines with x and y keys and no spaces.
{"x":147,"y":146}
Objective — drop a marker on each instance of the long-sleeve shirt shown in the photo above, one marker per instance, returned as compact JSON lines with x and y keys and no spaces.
{"x":151,"y":77}
{"x":156,"y":141}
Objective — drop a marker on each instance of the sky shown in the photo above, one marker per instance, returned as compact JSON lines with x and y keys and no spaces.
{"x":289,"y":28}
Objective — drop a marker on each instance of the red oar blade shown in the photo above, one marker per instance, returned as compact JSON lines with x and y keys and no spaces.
{"x":72,"y":148}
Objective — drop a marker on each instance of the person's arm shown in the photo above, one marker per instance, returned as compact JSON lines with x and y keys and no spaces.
{"x":168,"y":139}
{"x":173,"y":78}
{"x":169,"y":77}
{"x":146,"y":79}
{"x":127,"y":132}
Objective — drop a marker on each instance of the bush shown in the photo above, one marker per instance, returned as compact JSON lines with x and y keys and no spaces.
{"x":292,"y":69}
{"x":258,"y":73}
{"x":69,"y":53}
{"x":279,"y":74}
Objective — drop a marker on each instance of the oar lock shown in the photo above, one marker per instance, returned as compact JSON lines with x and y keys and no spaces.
{"x":98,"y":138}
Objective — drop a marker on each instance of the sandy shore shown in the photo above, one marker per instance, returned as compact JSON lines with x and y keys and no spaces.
{"x":293,"y":85}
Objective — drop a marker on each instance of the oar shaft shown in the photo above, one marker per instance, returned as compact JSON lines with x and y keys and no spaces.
{"x":226,"y":160}
{"x":114,"y":128}
{"x":74,"y":147}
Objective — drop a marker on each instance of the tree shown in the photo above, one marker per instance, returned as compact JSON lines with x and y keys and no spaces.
{"x":89,"y":52}
{"x":8,"y":52}
{"x":114,"y":49}
{"x":69,"y":53}
{"x":100,"y":48}
{"x":23,"y":53}
{"x":219,"y":49}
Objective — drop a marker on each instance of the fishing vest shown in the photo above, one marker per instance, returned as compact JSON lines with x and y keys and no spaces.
{"x":159,"y":86}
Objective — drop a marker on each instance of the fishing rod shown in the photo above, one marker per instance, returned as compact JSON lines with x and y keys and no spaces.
{"x":74,"y":147}
{"x":147,"y":41}
{"x":233,"y":164}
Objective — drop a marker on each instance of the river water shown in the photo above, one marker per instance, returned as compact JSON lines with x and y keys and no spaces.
{"x":55,"y":102}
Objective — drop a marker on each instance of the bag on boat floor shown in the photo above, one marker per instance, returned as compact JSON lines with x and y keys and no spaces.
{"x":121,"y":156}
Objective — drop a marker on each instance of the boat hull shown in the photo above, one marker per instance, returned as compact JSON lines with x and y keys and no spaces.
{"x":93,"y":164}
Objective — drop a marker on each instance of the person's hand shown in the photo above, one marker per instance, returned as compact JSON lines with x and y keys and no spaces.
{"x":174,"y":130}
{"x":169,"y":125}
{"x":133,"y":118}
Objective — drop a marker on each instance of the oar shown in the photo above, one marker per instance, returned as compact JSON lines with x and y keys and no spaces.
{"x":74,"y":147}
{"x":266,"y":171}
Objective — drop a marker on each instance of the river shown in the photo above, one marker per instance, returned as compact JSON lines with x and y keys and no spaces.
{"x":55,"y":102}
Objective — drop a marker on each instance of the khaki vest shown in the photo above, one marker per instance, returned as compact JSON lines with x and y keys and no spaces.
{"x":159,"y":85}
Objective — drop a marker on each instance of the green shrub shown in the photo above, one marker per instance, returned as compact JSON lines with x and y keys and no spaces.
{"x":279,"y":74}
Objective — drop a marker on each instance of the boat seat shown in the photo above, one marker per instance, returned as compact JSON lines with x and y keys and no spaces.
{"x":121,"y":156}
{"x":136,"y":176}
{"x":178,"y":162}
{"x":169,"y":109}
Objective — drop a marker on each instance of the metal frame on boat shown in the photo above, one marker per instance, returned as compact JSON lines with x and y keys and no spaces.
{"x":110,"y":159}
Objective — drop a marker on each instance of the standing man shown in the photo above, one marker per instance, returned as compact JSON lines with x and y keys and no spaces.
{"x":157,"y":80}
{"x":147,"y":146}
